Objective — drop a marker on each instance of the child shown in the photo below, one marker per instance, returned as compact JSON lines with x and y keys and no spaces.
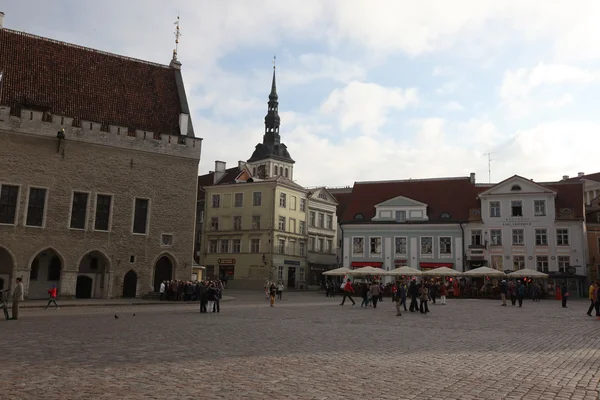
{"x":52,"y":292}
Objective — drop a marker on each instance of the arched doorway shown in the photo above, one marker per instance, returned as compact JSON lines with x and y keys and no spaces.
{"x":130,"y":284}
{"x":91,"y":276}
{"x":163,"y":271}
{"x":6,"y":269}
{"x":46,"y":269}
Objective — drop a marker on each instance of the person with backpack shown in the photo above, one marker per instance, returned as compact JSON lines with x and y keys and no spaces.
{"x":520,"y":292}
{"x":348,"y":291}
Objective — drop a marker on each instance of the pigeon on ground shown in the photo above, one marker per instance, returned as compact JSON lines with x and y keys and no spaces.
{"x":116,"y":316}
{"x":134,"y":314}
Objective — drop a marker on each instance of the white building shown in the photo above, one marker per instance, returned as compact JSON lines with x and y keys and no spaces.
{"x":322,"y":234}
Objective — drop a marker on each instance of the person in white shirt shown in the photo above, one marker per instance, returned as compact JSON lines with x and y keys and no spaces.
{"x":162,"y":290}
{"x":279,"y":290}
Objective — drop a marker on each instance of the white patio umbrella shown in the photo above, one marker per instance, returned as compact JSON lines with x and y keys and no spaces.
{"x":405,"y":270}
{"x":485,"y":271}
{"x":337,"y":272}
{"x":368,"y":271}
{"x":528,"y":273}
{"x":442,"y":271}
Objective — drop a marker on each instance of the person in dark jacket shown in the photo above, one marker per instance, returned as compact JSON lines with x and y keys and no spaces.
{"x":203,"y":296}
{"x":364,"y":294}
{"x":413,"y":292}
{"x":211,"y":293}
{"x":564,"y":291}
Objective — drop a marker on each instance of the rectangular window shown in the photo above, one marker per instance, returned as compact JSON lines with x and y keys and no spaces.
{"x":292,"y":202}
{"x":562,"y":237}
{"x":518,"y":237}
{"x":238,"y":200}
{"x":542,"y":263}
{"x":281,"y":224}
{"x":518,"y":262}
{"x":224,"y":246}
{"x":303,"y":205}
{"x":281,"y":246}
{"x":216,"y":200}
{"x":79,"y":207}
{"x":539,"y":208}
{"x":302,"y":228}
{"x":329,"y":221}
{"x":400,"y":245}
{"x":312,"y":218}
{"x":257,"y":199}
{"x":292,"y":247}
{"x":199,"y":215}
{"x":516,"y":207}
{"x":321,"y":245}
{"x":9,"y":198}
{"x":237,"y":223}
{"x":302,"y":248}
{"x":214,"y":223}
{"x":140,"y":216}
{"x":563,"y":263}
{"x":476,"y":237}
{"x":445,"y":245}
{"x":497,"y":263}
{"x":103,"y":206}
{"x":321,"y":220}
{"x":292,"y":227}
{"x":312,"y":244}
{"x":282,"y":200}
{"x":36,"y":207}
{"x":494,"y":209}
{"x":496,"y":237}
{"x":213,"y":246}
{"x":427,"y":245}
{"x":301,"y":274}
{"x":236,"y":246}
{"x":254,"y":245}
{"x":358,"y":246}
{"x":400,"y":216}
{"x":541,"y":237}
{"x":280,"y":273}
{"x":375,"y":246}
{"x":329,"y":248}
{"x":256,"y":222}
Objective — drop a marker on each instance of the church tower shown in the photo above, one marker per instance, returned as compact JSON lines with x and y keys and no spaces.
{"x":271,"y":157}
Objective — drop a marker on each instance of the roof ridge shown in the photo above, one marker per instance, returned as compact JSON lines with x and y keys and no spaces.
{"x":76,"y":46}
{"x":456,"y":178}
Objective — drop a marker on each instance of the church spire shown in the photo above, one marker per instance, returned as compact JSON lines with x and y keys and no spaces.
{"x":273,"y":94}
{"x":272,"y":120}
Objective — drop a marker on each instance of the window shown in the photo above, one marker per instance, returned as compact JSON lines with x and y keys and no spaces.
{"x":216,"y":200}
{"x":226,"y":200}
{"x":281,"y":246}
{"x":496,"y":237}
{"x":476,"y":237}
{"x":312,"y":243}
{"x":103,"y":206}
{"x":516,"y":207}
{"x":9,"y":198}
{"x":292,"y":247}
{"x":445,"y":245}
{"x":281,"y":224}
{"x":238,"y":200}
{"x":287,"y":173}
{"x":515,"y":188}
{"x":358,"y":246}
{"x":375,"y":245}
{"x":257,"y":199}
{"x":302,"y":248}
{"x":214,"y":223}
{"x":518,"y":262}
{"x":563,"y":263}
{"x":140,"y":216}
{"x":321,"y":220}
{"x":329,"y":221}
{"x":400,"y":245}
{"x":293,"y":202}
{"x":329,"y":247}
{"x":303,"y":205}
{"x":562,"y":237}
{"x":236,"y":246}
{"x":542,"y":263}
{"x":497,"y":262}
{"x":212,"y":246}
{"x":292,"y":227}
{"x":280,"y":273}
{"x":541,"y":237}
{"x":400,"y":216}
{"x":54,"y":269}
{"x":79,"y":206}
{"x":427,"y":245}
{"x":224,"y":246}
{"x":301,"y":274}
{"x":518,"y":237}
{"x":275,"y":170}
{"x":321,"y":245}
{"x":282,"y":199}
{"x":36,"y":207}
{"x":539,"y":208}
{"x":312,"y":216}
{"x":322,"y":196}
{"x":237,"y":223}
{"x":494,"y":209}
{"x":254,"y":245}
{"x":302,"y":227}
{"x":256,"y":222}
{"x":199,"y":215}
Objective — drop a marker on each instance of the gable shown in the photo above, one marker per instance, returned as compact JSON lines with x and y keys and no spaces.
{"x":515,"y":185}
{"x":324,"y":195}
{"x":401,"y":201}
{"x":244,"y":175}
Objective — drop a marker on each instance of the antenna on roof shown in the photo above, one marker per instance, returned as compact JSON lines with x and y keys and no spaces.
{"x":177,"y":36}
{"x":489,"y":166}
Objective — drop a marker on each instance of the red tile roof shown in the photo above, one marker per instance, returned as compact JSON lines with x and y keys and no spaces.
{"x":208,"y":179}
{"x":451,"y":195}
{"x":591,"y":177}
{"x":569,"y":195}
{"x":87,"y":84}
{"x":342,"y":198}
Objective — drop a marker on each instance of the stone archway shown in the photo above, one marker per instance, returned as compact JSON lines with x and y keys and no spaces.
{"x":7,"y":265}
{"x":46,"y":271}
{"x":163,"y":271}
{"x":92,"y":280}
{"x":130,"y":284}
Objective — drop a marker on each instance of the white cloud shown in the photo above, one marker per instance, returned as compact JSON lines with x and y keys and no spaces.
{"x":453,"y":106}
{"x":565,"y":100}
{"x":312,"y":67}
{"x":367,"y":105}
{"x":449,"y":87}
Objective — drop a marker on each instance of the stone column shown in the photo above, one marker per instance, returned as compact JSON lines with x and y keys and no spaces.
{"x":20,"y":273}
{"x":108,"y":286}
{"x":68,"y":283}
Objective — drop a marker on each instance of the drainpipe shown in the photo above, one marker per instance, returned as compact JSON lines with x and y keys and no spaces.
{"x":464,"y":253}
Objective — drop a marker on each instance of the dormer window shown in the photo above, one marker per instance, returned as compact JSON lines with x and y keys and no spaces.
{"x":322,"y":196}
{"x":400,"y":216}
{"x":445,"y":215}
{"x":359,"y":217}
{"x":515,"y":188}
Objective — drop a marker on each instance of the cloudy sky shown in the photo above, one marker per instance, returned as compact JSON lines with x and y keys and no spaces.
{"x":369,"y":90}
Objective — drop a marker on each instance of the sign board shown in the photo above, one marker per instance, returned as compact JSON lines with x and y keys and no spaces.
{"x":226,"y":261}
{"x":291,"y":262}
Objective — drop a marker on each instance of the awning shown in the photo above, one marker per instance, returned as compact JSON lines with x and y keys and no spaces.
{"x":357,"y":264}
{"x":435,"y":265}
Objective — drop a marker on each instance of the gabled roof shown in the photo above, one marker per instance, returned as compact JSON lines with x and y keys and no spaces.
{"x":569,"y":195}
{"x":208,"y":179}
{"x":454,"y":196}
{"x":86,"y":84}
{"x":401,"y":201}
{"x":592,"y":177}
{"x":330,"y":197}
{"x":516,"y":178}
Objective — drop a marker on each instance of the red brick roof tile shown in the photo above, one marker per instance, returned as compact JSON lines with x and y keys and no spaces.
{"x":342,"y":198}
{"x":569,"y":195}
{"x":87,"y":84}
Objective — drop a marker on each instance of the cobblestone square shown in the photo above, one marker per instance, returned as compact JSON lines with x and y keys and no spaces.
{"x":306,"y":347}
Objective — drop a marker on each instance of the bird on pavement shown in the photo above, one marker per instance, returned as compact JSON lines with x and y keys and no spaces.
{"x":116,"y":316}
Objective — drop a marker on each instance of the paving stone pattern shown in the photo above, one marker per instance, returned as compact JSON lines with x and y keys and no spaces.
{"x":306,"y":347}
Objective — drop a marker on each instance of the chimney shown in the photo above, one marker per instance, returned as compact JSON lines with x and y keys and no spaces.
{"x":220,"y":168}
{"x":1,"y":20}
{"x":241,"y":164}
{"x":580,"y":174}
{"x":565,"y":177}
{"x":472,"y":177}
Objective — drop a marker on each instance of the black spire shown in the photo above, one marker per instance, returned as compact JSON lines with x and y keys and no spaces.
{"x":272,"y":120}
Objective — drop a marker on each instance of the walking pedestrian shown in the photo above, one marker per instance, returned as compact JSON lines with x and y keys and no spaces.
{"x":520,"y":292}
{"x":503,"y":291}
{"x":375,"y":292}
{"x":413,"y":292}
{"x":279,"y":290}
{"x":52,"y":292}
{"x":424,"y":292}
{"x":272,"y":293}
{"x":364,"y":291}
{"x":512,"y":292}
{"x":593,"y":294}
{"x":17,"y":298}
{"x":443,"y":293}
{"x":564,"y":291}
{"x":348,"y":291}
{"x":398,"y":298}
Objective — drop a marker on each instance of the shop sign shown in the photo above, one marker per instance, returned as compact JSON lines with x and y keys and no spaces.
{"x":226,"y":261}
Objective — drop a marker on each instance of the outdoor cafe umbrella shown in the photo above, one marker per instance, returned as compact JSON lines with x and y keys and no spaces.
{"x":528,"y":273}
{"x":442,"y":271}
{"x":337,"y":272}
{"x":368,"y":271}
{"x":485,"y":271}
{"x":405,"y":270}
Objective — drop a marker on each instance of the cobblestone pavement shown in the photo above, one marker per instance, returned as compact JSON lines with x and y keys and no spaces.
{"x":306,"y":347}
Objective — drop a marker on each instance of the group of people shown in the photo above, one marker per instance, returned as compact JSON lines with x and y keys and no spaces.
{"x":273,"y":290}
{"x":208,"y":293}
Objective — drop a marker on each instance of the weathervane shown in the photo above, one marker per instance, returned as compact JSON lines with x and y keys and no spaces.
{"x":177,"y":36}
